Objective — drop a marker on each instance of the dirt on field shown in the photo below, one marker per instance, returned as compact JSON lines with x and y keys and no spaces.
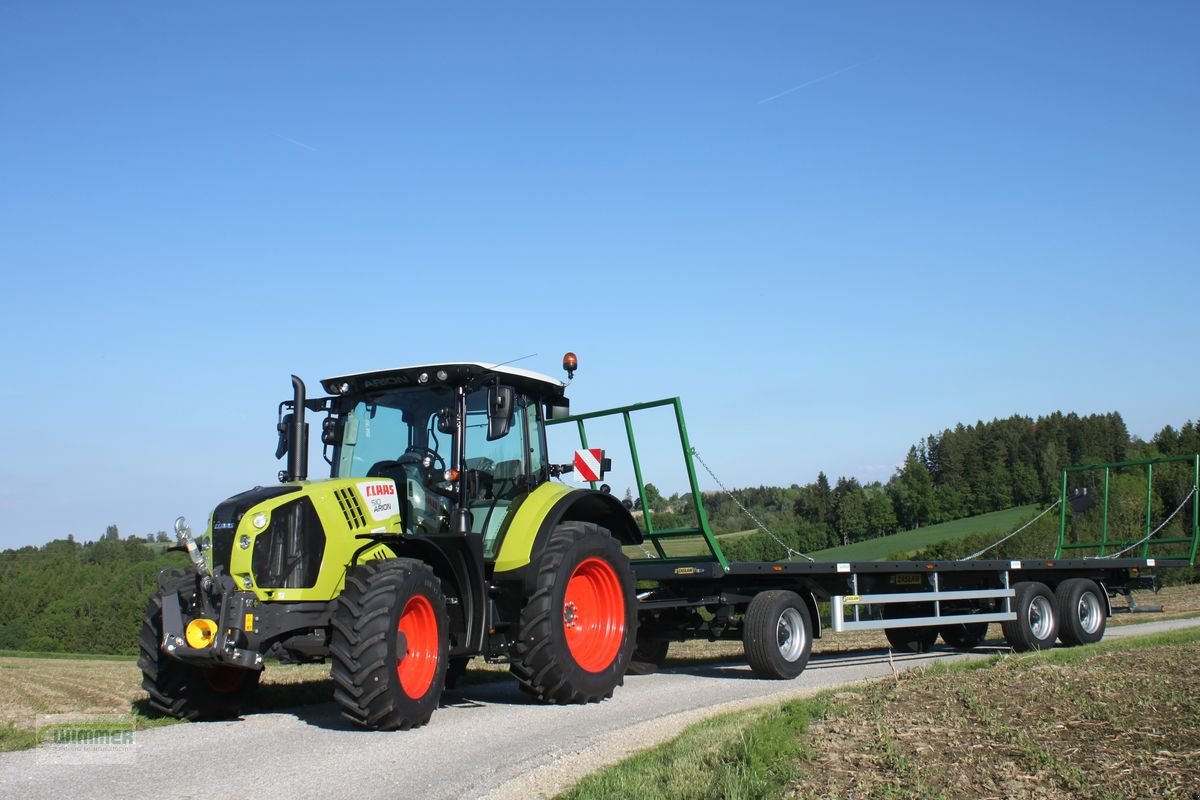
{"x":1113,"y":725}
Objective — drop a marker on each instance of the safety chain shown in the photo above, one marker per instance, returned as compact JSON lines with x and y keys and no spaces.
{"x":789,"y":550}
{"x":1156,"y":530}
{"x":1014,"y":533}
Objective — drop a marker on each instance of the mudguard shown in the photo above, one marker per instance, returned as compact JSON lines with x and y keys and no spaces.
{"x":529,"y":523}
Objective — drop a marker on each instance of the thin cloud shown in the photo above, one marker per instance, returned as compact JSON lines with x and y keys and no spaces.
{"x":297,"y":143}
{"x":821,"y":79}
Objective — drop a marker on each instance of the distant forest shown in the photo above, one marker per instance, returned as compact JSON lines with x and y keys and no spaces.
{"x":89,"y":597}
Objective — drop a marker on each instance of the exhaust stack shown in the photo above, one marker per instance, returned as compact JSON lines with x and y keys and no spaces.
{"x":297,"y":455}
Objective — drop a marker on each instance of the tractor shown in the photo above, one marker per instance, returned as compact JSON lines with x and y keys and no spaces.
{"x":442,"y":533}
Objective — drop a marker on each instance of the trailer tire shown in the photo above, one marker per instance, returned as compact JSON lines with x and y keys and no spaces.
{"x":1036,"y":625}
{"x":964,"y":635}
{"x":912,"y":640}
{"x":187,"y":691}
{"x":389,"y":645}
{"x":649,"y":655}
{"x":578,"y":628}
{"x":777,"y":634}
{"x":1081,"y":612}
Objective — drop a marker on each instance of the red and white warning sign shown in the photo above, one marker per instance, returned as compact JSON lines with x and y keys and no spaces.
{"x":589,"y":464}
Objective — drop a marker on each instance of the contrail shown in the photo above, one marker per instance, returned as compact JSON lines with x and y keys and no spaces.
{"x":806,"y":84}
{"x":297,"y":143}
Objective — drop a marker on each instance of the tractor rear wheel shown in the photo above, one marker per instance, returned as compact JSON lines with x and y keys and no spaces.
{"x":390,"y":644}
{"x":184,"y":690}
{"x":578,"y":628}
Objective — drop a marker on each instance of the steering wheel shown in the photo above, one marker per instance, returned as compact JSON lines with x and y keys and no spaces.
{"x":417,"y":455}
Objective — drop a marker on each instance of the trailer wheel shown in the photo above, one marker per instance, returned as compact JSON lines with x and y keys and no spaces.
{"x":578,"y":628}
{"x":777,"y":634}
{"x":964,"y":635}
{"x":649,"y":654}
{"x":912,"y":640}
{"x":1036,"y":625}
{"x":1081,"y":612}
{"x":185,"y":690}
{"x":390,"y":644}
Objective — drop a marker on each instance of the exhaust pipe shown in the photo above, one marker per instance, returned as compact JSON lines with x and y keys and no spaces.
{"x":297,"y":456}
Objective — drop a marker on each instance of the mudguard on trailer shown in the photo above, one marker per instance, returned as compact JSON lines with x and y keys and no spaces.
{"x":528,"y":527}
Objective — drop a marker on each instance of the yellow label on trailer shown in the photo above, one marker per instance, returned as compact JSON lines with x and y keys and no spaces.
{"x":249,"y":626}
{"x":908,"y":580}
{"x":852,"y":598}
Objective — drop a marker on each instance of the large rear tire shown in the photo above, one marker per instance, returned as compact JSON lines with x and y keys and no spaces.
{"x":777,"y":634}
{"x":184,"y":690}
{"x":1082,"y":616}
{"x":578,"y":628}
{"x":1036,"y":625}
{"x":390,"y":645}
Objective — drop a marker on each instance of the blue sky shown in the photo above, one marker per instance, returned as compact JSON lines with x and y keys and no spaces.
{"x":832,"y":229}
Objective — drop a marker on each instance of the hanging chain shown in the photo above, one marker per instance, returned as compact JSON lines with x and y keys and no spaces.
{"x":1156,"y":530}
{"x":790,"y":551}
{"x":1014,"y":533}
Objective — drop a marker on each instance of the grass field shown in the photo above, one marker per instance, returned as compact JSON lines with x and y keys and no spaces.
{"x":1113,"y":720}
{"x":999,"y":522}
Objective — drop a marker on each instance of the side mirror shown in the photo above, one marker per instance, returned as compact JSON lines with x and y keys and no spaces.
{"x":284,"y":427}
{"x":500,"y":411}
{"x":558,"y":408}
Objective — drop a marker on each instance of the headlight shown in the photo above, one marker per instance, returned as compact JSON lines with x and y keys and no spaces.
{"x":244,"y":542}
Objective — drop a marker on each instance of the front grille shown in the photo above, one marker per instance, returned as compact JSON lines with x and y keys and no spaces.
{"x":228,"y":514}
{"x":351,"y":507}
{"x":287,"y":555}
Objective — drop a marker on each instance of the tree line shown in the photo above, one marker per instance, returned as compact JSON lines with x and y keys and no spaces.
{"x":959,"y":472}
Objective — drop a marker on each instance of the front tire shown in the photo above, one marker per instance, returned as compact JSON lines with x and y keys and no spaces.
{"x":390,"y":645}
{"x":777,"y":634}
{"x":578,"y":628}
{"x":186,"y":691}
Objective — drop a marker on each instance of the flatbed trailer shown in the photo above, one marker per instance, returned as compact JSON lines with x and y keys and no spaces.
{"x":777,"y":608}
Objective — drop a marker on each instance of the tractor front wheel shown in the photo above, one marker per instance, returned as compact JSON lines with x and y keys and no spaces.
{"x":184,"y":690}
{"x":578,"y":628}
{"x":390,"y":645}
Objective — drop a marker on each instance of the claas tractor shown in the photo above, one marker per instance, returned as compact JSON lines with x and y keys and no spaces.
{"x":442,"y":533}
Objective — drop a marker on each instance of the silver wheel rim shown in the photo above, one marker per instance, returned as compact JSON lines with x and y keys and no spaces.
{"x":791,"y":634}
{"x":1040,"y":617}
{"x":1089,"y":612}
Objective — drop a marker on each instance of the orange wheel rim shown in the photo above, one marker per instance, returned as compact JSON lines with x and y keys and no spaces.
{"x":594,"y":614}
{"x":418,"y":664}
{"x":223,"y":680}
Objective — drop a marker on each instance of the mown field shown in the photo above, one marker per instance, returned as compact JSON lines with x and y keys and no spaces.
{"x":37,"y":684}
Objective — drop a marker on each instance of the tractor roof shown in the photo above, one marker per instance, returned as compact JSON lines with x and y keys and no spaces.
{"x":456,"y":372}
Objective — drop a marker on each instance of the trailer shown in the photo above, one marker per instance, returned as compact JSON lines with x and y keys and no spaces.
{"x":776,"y":609}
{"x":444,"y":532}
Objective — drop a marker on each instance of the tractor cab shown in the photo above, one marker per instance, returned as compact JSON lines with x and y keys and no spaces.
{"x":460,"y":441}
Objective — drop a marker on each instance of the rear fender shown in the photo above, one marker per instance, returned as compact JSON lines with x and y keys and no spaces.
{"x":530,"y":522}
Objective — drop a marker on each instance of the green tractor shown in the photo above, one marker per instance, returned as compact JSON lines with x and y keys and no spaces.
{"x":440,"y":535}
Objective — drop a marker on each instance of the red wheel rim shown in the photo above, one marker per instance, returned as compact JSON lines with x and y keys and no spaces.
{"x":417,"y":665}
{"x":223,"y":680}
{"x":594,"y":614}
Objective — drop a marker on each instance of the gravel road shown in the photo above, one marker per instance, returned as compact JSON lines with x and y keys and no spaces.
{"x":486,"y":741}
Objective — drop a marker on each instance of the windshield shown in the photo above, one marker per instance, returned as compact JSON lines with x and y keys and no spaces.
{"x":389,"y":426}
